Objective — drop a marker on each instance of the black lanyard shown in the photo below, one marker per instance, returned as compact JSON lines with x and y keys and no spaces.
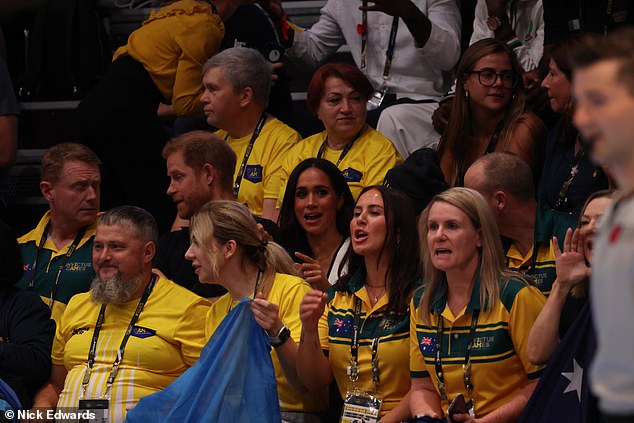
{"x":389,"y":53}
{"x":345,"y":151}
{"x":467,"y":357}
{"x":353,"y":370}
{"x":124,"y":341}
{"x":69,"y":252}
{"x":247,"y":153}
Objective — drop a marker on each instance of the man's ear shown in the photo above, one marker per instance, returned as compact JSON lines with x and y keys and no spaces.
{"x":46,"y":188}
{"x":209,"y":173}
{"x":500,"y":200}
{"x":246,"y":96}
{"x":148,"y":252}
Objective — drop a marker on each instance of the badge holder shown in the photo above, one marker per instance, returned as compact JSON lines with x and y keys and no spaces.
{"x":376,"y":99}
{"x":361,"y":406}
{"x":98,"y":408}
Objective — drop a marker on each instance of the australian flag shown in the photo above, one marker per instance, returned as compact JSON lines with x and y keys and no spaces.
{"x":563,"y":392}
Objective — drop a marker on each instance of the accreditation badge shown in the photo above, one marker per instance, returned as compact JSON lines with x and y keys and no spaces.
{"x":94,"y":410}
{"x":361,"y":406}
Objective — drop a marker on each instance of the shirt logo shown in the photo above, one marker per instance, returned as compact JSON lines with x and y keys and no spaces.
{"x":483,"y":342}
{"x":77,"y":267}
{"x":351,"y":175}
{"x":141,"y":332}
{"x":79,"y":331}
{"x":253,"y":173}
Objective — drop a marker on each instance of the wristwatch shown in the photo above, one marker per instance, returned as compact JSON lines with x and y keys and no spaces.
{"x":495,"y":22}
{"x":282,"y":336}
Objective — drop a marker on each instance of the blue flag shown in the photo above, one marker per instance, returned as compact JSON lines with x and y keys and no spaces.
{"x":563,"y":392}
{"x":233,"y":381}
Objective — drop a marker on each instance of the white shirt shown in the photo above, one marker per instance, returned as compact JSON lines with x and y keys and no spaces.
{"x":417,"y":72}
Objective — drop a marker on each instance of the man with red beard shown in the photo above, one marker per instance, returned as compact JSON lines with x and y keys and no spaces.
{"x":132,"y":334}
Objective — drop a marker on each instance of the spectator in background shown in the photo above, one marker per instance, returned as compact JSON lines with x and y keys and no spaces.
{"x":200,"y":167}
{"x":569,"y":176}
{"x":337,"y":95}
{"x":603,"y":88}
{"x":57,"y":252}
{"x":9,"y":112}
{"x":569,"y":294}
{"x":315,"y":221}
{"x":236,"y":83}
{"x":26,"y":329}
{"x":410,"y":74}
{"x":161,"y":63}
{"x":488,"y":112}
{"x":506,"y":182}
{"x":518,"y":23}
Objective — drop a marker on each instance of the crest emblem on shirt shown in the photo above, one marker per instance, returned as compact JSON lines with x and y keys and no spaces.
{"x":141,"y":332}
{"x":253,"y":173}
{"x":351,"y":175}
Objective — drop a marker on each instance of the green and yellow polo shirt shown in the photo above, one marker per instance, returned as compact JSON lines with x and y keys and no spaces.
{"x":499,"y":366}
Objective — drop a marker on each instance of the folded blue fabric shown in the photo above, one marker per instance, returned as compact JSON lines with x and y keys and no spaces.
{"x":233,"y":381}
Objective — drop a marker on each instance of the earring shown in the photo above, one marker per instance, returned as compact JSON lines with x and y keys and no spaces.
{"x":466,"y":94}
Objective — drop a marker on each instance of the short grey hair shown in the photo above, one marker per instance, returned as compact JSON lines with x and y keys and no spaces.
{"x":244,"y":67}
{"x":140,"y":220}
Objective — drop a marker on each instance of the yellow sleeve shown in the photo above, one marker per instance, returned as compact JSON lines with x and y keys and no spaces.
{"x":383,"y":157}
{"x":198,"y":43}
{"x":190,"y":330}
{"x":61,"y":336}
{"x":289,"y":306}
{"x":280,"y":141}
{"x":526,"y":307}
{"x":417,"y":366}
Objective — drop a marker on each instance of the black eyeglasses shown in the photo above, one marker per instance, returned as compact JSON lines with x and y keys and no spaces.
{"x":489,"y":77}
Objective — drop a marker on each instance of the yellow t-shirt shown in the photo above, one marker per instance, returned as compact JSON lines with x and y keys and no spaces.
{"x":262,"y":174}
{"x":287,"y":292}
{"x":499,"y":365}
{"x":365,"y":164}
{"x":335,"y":335}
{"x":173,"y":44}
{"x":166,"y":341}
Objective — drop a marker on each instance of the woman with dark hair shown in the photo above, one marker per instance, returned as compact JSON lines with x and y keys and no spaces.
{"x":488,"y":112}
{"x":337,"y":95}
{"x":227,"y":248}
{"x":315,"y":221}
{"x":569,"y":295}
{"x":363,"y":320}
{"x":470,"y":322}
{"x":568,"y":176}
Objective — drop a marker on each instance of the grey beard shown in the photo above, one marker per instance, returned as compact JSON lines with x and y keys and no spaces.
{"x":114,"y":290}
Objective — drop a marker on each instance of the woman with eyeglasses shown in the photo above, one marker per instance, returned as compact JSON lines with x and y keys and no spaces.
{"x":488,"y":112}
